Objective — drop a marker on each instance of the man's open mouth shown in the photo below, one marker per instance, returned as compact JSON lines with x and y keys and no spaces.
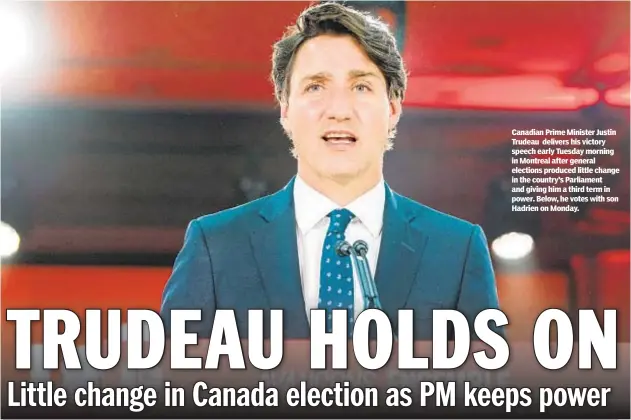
{"x":339,"y":137}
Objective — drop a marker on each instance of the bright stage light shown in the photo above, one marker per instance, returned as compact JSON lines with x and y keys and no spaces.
{"x":15,"y":43}
{"x":9,"y":240}
{"x":513,"y":246}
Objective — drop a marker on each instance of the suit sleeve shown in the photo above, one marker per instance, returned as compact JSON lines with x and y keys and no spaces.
{"x":478,"y":290}
{"x":191,"y":284}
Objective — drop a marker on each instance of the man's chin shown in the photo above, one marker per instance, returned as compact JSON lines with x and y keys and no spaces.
{"x":343,"y":176}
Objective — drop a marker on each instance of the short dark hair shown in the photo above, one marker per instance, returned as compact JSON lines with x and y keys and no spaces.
{"x":333,"y":18}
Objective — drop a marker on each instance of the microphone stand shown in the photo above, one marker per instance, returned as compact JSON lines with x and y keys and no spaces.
{"x":358,"y":255}
{"x":368,"y":283}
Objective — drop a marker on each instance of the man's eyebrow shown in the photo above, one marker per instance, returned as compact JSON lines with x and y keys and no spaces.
{"x":323,"y":75}
{"x":316,"y":77}
{"x":357,"y":74}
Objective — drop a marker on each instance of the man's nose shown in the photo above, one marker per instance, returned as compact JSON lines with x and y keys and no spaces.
{"x":340,"y":105}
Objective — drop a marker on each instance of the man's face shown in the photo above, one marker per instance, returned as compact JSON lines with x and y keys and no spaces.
{"x":338,"y":112}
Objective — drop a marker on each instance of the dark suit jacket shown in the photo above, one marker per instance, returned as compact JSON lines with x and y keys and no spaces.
{"x":246,"y":258}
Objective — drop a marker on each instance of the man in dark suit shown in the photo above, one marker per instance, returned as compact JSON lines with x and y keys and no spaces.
{"x":340,"y":81}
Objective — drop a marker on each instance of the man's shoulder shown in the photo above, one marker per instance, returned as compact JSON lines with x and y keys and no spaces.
{"x":242,"y":217}
{"x":433,"y":220}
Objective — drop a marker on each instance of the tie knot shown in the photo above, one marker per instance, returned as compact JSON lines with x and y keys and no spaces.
{"x":340,"y":219}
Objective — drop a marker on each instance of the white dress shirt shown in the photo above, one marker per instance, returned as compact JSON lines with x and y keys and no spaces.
{"x":312,"y":224}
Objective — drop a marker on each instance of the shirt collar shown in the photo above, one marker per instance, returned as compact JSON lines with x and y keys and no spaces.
{"x":311,"y":207}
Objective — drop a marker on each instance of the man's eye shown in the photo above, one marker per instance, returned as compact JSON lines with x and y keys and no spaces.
{"x":313,"y":87}
{"x":362,"y":87}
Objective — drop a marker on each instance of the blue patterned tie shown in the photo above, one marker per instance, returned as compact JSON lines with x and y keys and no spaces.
{"x":336,"y":273}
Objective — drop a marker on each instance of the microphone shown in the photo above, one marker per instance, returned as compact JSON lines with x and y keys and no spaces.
{"x":358,"y":252}
{"x":361,"y":247}
{"x":343,"y":248}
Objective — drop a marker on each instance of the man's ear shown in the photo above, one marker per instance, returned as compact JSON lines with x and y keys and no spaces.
{"x":284,"y":109}
{"x":396,"y":108}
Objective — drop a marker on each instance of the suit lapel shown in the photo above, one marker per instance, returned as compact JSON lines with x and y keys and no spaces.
{"x":400,"y":254}
{"x":275,"y":248}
